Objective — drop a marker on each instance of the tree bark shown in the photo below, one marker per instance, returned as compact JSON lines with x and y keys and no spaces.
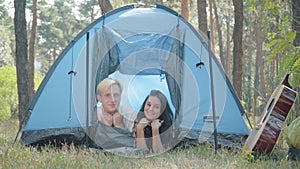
{"x":274,"y":67}
{"x":256,"y":90}
{"x":250,"y":51}
{"x":21,"y":56}
{"x":228,"y":45}
{"x":296,"y":20}
{"x":202,"y":16}
{"x":296,"y":27}
{"x":260,"y":61}
{"x":211,"y":25}
{"x":237,"y":71}
{"x":218,"y":25}
{"x":105,"y":6}
{"x":32,"y":47}
{"x":185,"y":6}
{"x":93,"y":11}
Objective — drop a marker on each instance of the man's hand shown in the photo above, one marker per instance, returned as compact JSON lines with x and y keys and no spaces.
{"x":117,"y":120}
{"x":107,"y":119}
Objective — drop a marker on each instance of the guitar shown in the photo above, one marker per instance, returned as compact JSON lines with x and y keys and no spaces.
{"x":264,"y":135}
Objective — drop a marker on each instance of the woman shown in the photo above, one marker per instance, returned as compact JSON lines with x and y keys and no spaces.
{"x":153,"y":123}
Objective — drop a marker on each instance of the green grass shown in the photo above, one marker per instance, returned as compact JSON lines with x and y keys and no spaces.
{"x":201,"y":156}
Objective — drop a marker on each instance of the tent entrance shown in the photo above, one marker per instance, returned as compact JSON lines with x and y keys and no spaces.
{"x":137,"y":87}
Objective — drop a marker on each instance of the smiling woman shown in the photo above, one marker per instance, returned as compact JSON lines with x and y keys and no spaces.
{"x":153,"y":123}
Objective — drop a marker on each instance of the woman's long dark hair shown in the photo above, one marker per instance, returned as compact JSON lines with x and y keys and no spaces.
{"x":166,"y":116}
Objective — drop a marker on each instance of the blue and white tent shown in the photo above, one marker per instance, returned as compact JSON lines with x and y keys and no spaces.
{"x":144,"y":48}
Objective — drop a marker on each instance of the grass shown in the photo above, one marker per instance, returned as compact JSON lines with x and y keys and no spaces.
{"x":201,"y":156}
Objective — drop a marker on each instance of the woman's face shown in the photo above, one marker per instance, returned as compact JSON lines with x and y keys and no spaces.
{"x":152,"y":108}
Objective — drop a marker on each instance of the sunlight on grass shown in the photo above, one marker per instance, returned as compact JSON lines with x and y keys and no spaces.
{"x":201,"y":156}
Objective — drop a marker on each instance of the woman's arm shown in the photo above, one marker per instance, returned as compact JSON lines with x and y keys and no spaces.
{"x":140,"y":138}
{"x":156,"y":140}
{"x":140,"y":135}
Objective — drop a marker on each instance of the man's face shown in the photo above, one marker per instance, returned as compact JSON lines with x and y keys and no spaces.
{"x":110,"y":98}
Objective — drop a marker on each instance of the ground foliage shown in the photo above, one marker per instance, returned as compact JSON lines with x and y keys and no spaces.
{"x":199,"y":156}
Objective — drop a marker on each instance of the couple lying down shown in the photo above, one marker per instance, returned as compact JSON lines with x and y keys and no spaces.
{"x":117,"y":126}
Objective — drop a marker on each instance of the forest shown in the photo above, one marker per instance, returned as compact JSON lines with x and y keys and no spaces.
{"x":256,"y":55}
{"x":256,"y":42}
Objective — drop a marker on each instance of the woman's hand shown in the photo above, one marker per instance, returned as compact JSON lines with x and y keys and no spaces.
{"x":155,"y":124}
{"x":143,"y":123}
{"x":140,"y":135}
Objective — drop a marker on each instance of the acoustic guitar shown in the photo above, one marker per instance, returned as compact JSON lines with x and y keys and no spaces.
{"x":264,"y":135}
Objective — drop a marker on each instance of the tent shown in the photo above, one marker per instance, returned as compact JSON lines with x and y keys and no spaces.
{"x":144,"y":48}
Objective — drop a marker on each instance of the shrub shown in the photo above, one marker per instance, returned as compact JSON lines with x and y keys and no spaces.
{"x":8,"y":91}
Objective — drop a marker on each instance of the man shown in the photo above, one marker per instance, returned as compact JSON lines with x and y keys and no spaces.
{"x":110,"y":112}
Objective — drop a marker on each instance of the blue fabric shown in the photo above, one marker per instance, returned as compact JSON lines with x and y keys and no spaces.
{"x":142,"y":41}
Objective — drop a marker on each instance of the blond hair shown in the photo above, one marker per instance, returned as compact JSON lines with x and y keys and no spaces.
{"x":106,"y":83}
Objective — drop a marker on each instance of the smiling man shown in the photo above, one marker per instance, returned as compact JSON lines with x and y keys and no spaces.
{"x":110,"y":112}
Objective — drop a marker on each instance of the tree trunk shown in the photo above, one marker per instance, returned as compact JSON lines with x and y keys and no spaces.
{"x":105,"y":6}
{"x":146,"y":2}
{"x":274,"y":67}
{"x":296,"y":20}
{"x":185,"y":6}
{"x":237,"y":71}
{"x":250,"y":51}
{"x":211,"y":25}
{"x":255,"y":108}
{"x":228,"y":46}
{"x":296,"y":27}
{"x":93,"y":11}
{"x":260,"y":61}
{"x":21,"y":57}
{"x":256,"y":91}
{"x":32,"y":47}
{"x":202,"y":16}
{"x":218,"y":25}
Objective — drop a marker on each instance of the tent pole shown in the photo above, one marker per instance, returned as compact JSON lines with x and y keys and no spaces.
{"x":212,"y":91}
{"x":87,"y":89}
